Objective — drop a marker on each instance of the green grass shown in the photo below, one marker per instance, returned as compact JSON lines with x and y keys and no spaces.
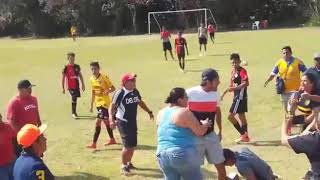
{"x":41,"y":61}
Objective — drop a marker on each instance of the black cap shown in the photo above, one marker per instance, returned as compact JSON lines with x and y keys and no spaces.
{"x":209,"y":74}
{"x":24,"y":84}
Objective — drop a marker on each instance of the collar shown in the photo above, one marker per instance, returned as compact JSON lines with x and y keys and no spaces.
{"x":31,"y":154}
{"x":290,"y":60}
{"x":126,"y":90}
{"x":97,"y":76}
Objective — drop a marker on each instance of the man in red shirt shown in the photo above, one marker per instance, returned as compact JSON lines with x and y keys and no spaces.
{"x":23,"y":108}
{"x":72,"y":73}
{"x":181,"y":45}
{"x":7,"y":157}
{"x":211,"y":31}
{"x":165,"y":37}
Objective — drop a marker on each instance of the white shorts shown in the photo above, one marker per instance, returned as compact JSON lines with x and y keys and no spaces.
{"x":210,"y":147}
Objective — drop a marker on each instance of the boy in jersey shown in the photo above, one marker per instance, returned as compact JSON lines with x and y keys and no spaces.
{"x":72,"y":73}
{"x":165,"y":37}
{"x":73,"y":32}
{"x":101,"y":88}
{"x":202,"y":34}
{"x":124,"y":107}
{"x":211,"y":31}
{"x":181,"y":45}
{"x":238,"y":85}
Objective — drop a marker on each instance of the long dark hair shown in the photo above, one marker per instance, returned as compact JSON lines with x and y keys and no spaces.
{"x":313,"y":79}
{"x":175,"y":94}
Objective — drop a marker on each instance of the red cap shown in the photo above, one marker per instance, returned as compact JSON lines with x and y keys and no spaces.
{"x":127,"y":77}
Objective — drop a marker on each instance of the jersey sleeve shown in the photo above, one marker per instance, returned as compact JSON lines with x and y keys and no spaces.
{"x":243,"y":75}
{"x":41,"y":172}
{"x":275,"y":69}
{"x":11,"y":111}
{"x":138,"y":93}
{"x":117,"y":97}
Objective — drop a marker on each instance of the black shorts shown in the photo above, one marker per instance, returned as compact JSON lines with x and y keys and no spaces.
{"x":298,"y":119}
{"x":167,"y":46}
{"x":211,"y":35}
{"x":102,"y":113}
{"x":74,"y":92}
{"x":202,"y":40}
{"x":181,"y":55}
{"x":128,"y":133}
{"x":239,"y":106}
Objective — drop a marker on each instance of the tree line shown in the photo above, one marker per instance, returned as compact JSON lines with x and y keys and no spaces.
{"x":53,"y":18}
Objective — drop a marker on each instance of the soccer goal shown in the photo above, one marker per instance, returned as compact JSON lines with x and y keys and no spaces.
{"x":180,"y":20}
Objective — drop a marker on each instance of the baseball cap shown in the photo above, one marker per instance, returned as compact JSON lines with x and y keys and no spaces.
{"x":23,"y":84}
{"x":29,"y":133}
{"x":316,"y":56}
{"x":127,"y":77}
{"x":209,"y":74}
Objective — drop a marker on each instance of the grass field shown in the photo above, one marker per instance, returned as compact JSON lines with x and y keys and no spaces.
{"x":42,"y":60}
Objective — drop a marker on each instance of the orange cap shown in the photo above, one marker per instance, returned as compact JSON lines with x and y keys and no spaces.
{"x":29,"y":133}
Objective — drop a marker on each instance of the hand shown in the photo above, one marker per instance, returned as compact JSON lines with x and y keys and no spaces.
{"x":106,"y":92}
{"x":231,"y":89}
{"x":206,"y":122}
{"x":63,"y":91}
{"x":151,"y":115}
{"x":91,"y":109}
{"x":112,"y":124}
{"x":83,"y":88}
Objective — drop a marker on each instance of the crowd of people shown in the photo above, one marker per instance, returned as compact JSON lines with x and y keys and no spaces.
{"x":185,"y":127}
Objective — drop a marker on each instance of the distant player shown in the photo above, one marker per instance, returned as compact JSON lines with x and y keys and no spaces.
{"x":238,"y":85}
{"x":73,"y":32}
{"x":211,"y":31}
{"x":101,"y":88}
{"x":165,"y":37}
{"x":181,"y":45}
{"x":203,"y":36}
{"x":72,"y":73}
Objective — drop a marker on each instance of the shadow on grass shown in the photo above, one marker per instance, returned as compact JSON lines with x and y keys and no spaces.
{"x":149,"y":173}
{"x":146,"y":147}
{"x":264,"y":143}
{"x":192,"y":59}
{"x":193,"y":70}
{"x":82,"y":176}
{"x":223,"y":43}
{"x":86,"y":118}
{"x":208,"y":174}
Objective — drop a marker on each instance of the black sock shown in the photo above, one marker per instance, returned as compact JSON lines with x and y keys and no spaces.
{"x":244,"y":128}
{"x":238,"y":128}
{"x":96,"y":134}
{"x":110,"y":132}
{"x":74,"y":105}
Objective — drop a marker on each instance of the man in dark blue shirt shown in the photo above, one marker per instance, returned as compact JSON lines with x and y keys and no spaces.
{"x":249,"y":165}
{"x":30,"y":166}
{"x":124,"y":108}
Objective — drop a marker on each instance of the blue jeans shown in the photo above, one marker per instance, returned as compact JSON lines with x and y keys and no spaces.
{"x":177,"y":163}
{"x":6,"y":172}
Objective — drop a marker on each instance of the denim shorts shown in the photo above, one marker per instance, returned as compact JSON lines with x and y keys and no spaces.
{"x":6,"y":172}
{"x":180,"y":163}
{"x":209,"y":147}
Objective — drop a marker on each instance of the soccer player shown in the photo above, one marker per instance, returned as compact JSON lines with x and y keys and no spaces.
{"x":204,"y":102}
{"x":238,"y":85}
{"x":73,"y":32}
{"x":101,"y":88}
{"x":203,"y":35}
{"x":72,"y":73}
{"x":181,"y":45}
{"x":211,"y":31}
{"x":165,"y":36}
{"x":124,"y":107}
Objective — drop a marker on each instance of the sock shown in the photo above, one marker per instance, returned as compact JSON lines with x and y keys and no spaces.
{"x":96,"y":134}
{"x":238,"y":128}
{"x":244,"y":128}
{"x":74,"y":105}
{"x":110,"y":132}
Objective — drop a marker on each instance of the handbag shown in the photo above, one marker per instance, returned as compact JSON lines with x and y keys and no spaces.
{"x":280,"y":86}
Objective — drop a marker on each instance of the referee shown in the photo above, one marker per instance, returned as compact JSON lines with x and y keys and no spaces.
{"x":124,"y":108}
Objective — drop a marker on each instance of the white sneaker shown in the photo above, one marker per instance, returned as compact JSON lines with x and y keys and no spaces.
{"x":200,"y":54}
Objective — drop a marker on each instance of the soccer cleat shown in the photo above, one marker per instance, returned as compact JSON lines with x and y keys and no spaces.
{"x":131,"y":166}
{"x":74,"y":116}
{"x":243,"y":139}
{"x":125,"y":171}
{"x":92,"y":146}
{"x":110,"y":142}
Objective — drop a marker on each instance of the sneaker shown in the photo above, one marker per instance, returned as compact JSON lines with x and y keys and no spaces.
{"x":74,"y":116}
{"x":131,"y":166}
{"x":182,"y":70}
{"x":243,"y":139}
{"x":110,"y":142}
{"x":92,"y":146}
{"x":125,"y":171}
{"x":200,"y":54}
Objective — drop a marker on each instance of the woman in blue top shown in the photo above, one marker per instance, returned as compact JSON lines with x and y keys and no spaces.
{"x":177,"y":130}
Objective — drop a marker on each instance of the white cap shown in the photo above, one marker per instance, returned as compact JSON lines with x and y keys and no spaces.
{"x":316,"y":55}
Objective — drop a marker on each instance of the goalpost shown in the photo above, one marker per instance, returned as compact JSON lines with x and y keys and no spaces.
{"x":206,"y":13}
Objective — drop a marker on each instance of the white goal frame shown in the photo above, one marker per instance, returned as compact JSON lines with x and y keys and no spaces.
{"x":206,"y":11}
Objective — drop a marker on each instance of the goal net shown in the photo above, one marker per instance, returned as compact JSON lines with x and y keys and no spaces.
{"x":182,"y":20}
